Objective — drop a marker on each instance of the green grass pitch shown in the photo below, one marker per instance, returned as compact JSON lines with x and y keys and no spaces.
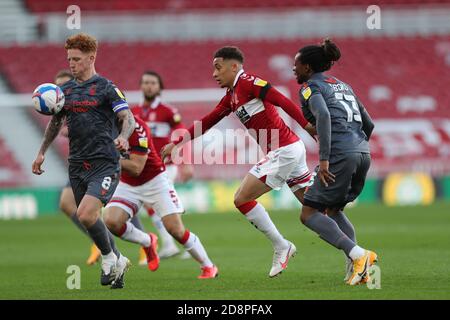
{"x":413,"y":244}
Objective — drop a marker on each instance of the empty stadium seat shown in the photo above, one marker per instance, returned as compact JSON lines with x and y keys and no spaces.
{"x":11,"y":173}
{"x":40,"y":6}
{"x":387,"y":73}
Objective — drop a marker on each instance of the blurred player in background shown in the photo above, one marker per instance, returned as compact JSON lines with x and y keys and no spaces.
{"x":344,"y":128}
{"x":144,"y":180}
{"x":253,"y":100}
{"x":92,"y":106}
{"x":162,"y":121}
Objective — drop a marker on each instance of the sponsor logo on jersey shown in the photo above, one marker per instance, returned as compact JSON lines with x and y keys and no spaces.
{"x":242,"y":114}
{"x":92,"y":90}
{"x":143,"y":142}
{"x":120,"y":94}
{"x":259,"y":82}
{"x":306,"y":93}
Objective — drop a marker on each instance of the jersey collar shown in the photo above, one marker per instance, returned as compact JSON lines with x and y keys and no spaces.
{"x":155,"y":102}
{"x":317,"y":75}
{"x":237,"y":77}
{"x":91,"y":79}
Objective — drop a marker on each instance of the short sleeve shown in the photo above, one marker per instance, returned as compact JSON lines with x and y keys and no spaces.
{"x":139,"y":140}
{"x":260,"y":88}
{"x":116,"y":98}
{"x":307,"y":91}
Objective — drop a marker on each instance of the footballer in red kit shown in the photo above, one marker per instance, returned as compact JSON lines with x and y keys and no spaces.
{"x":163,"y":121}
{"x":144,"y":180}
{"x":253,"y":101}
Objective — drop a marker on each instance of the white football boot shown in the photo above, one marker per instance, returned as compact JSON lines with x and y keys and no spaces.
{"x":281,"y":259}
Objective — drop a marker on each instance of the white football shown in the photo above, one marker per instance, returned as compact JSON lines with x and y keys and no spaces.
{"x":48,"y":99}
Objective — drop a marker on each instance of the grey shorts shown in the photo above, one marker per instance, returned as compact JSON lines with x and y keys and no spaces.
{"x":97,"y":178}
{"x":350,"y":170}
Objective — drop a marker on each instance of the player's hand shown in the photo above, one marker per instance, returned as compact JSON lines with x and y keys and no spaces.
{"x":37,"y":163}
{"x":311,"y":130}
{"x":121,"y":144}
{"x":186,"y":172}
{"x":167,"y":150}
{"x":324,"y":174}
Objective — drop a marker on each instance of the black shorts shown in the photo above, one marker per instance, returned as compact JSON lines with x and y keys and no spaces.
{"x":350,"y":171}
{"x":97,"y":178}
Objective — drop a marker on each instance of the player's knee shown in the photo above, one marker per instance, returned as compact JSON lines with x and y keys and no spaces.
{"x":305,"y":214}
{"x":86,"y":218}
{"x":175,"y":231}
{"x":109,"y":220}
{"x":302,"y":218}
{"x":112,"y":223}
{"x":67,"y":207}
{"x":64,"y":208}
{"x":240,"y":199}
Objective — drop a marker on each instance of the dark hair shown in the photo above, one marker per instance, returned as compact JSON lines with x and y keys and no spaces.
{"x":322,"y":57}
{"x":230,"y":52}
{"x":155,"y":74}
{"x":64,"y":73}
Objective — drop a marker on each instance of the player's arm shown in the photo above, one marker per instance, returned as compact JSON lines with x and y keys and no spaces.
{"x":64,"y":131}
{"x":199,"y":127}
{"x":275,"y":97}
{"x":124,"y":115}
{"x":367,"y":122}
{"x":127,"y":123}
{"x":135,"y":164}
{"x":186,"y":171}
{"x":320,"y":111}
{"x":51,"y":132}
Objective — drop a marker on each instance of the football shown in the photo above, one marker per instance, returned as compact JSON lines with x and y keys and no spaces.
{"x":48,"y":99}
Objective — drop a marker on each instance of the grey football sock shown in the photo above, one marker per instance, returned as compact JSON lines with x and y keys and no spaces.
{"x":113,"y":244}
{"x":329,"y":231}
{"x":100,"y":235}
{"x":77,"y":222}
{"x":137,"y":223}
{"x":344,"y":224}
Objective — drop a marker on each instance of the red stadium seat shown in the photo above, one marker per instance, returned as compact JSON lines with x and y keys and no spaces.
{"x":406,"y":67}
{"x":11,"y":173}
{"x":40,"y":6}
{"x":395,"y":77}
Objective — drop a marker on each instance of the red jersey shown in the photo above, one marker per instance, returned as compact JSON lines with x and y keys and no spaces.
{"x":253,"y":101}
{"x":141,"y":143}
{"x":161,"y":119}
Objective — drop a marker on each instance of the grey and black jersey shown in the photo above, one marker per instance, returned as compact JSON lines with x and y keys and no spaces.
{"x":90,"y":109}
{"x":347,"y":114}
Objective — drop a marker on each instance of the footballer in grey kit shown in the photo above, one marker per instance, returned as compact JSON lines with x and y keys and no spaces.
{"x":92,"y":107}
{"x":344,"y":128}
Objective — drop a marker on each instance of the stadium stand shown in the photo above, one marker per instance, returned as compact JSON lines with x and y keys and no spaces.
{"x":397,"y":77}
{"x":402,"y":80}
{"x":181,"y":5}
{"x":11,"y":173}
